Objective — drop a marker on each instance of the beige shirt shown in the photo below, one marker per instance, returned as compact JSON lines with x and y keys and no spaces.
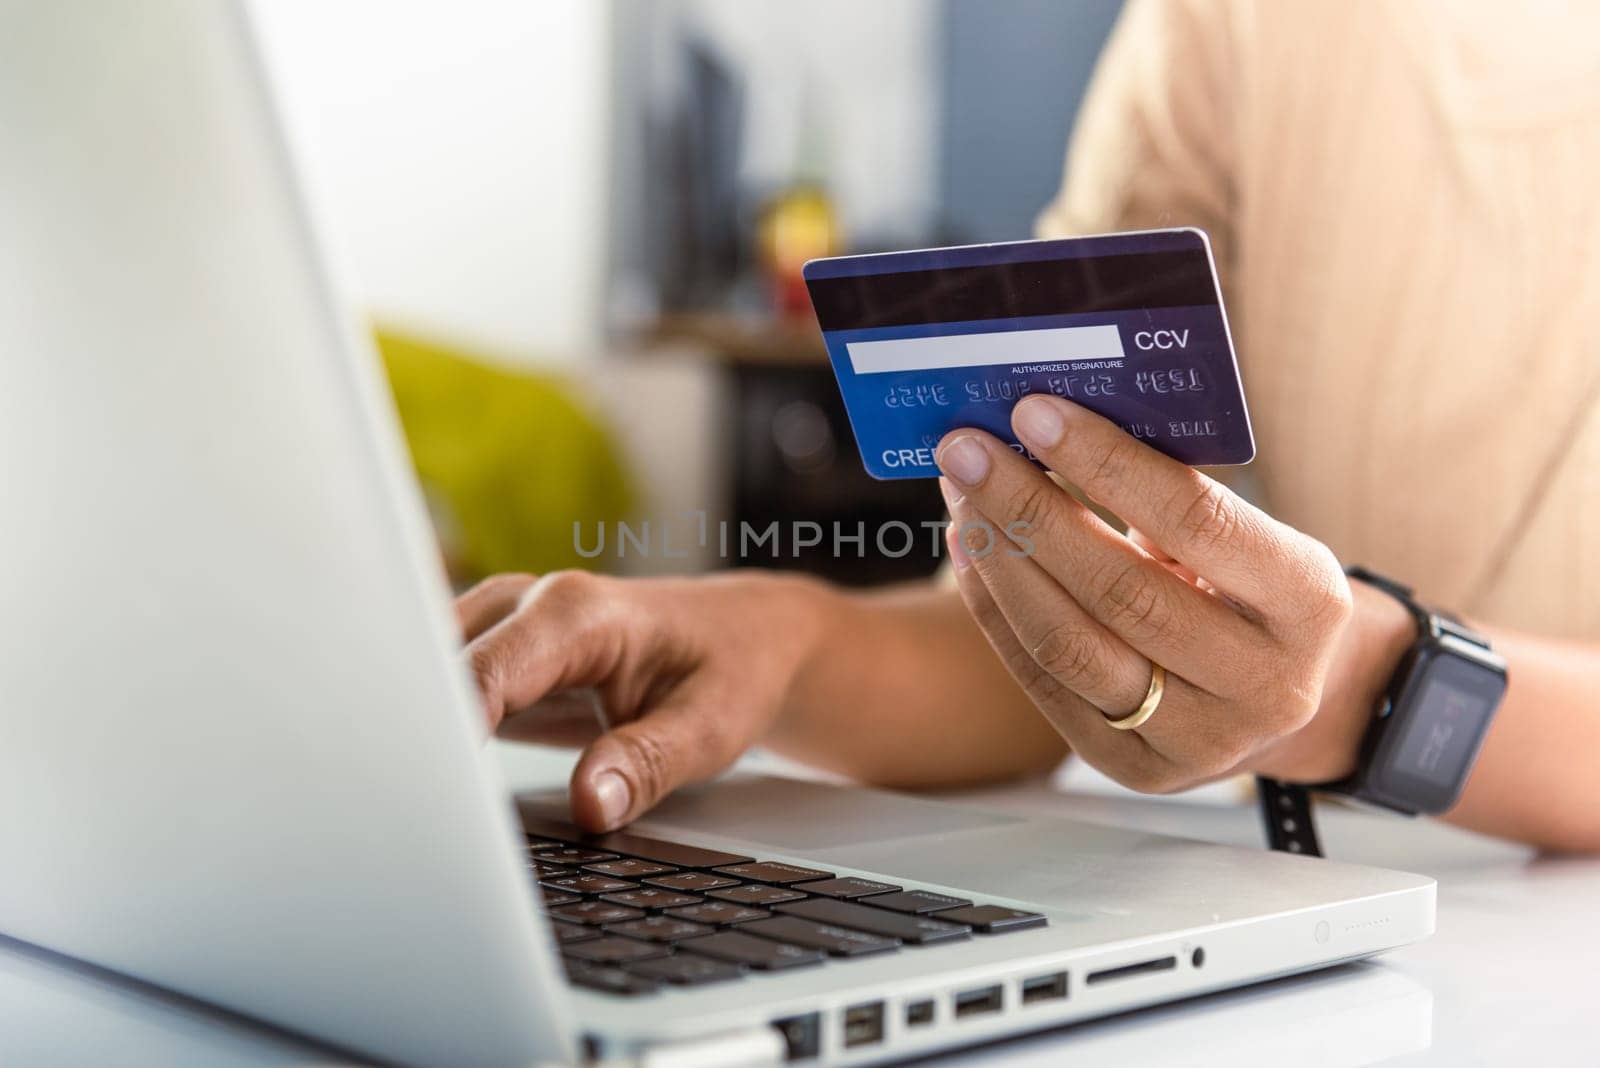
{"x":1404,"y":198}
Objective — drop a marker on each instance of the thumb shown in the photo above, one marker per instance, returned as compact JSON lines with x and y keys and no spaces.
{"x":628,"y":770}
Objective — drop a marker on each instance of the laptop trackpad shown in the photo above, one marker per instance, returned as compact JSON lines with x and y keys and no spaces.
{"x":800,"y":817}
{"x":792,"y":815}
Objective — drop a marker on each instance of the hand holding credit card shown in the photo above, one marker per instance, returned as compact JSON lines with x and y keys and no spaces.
{"x":1130,"y":326}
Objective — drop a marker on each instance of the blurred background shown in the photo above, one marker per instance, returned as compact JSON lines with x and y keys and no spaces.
{"x":576,"y":228}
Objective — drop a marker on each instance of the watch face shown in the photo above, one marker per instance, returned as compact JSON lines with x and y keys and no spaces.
{"x":1447,"y":710}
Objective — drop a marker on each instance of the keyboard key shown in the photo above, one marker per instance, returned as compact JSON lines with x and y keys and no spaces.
{"x":569,"y":855}
{"x":755,"y":894}
{"x":649,"y":898}
{"x":609,"y":980}
{"x":588,"y":884}
{"x":686,"y":969}
{"x":834,"y":941}
{"x":553,"y":898}
{"x":759,"y":953}
{"x":636,"y":845}
{"x":629,"y":868}
{"x":773,"y":871}
{"x":993,"y":919}
{"x":614,"y":950}
{"x":536,"y":844}
{"x":567,"y":933}
{"x":718,"y":913}
{"x":847,"y":887}
{"x":595,"y":912}
{"x":549,"y":871}
{"x":693,"y":882}
{"x":917,"y":930}
{"x":918,"y":901}
{"x":659,"y":929}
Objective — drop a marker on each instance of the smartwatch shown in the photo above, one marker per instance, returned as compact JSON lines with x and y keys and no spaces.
{"x":1432,"y":718}
{"x":1426,"y":731}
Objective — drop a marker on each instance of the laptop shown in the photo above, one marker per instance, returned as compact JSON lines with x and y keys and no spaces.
{"x":240,"y":758}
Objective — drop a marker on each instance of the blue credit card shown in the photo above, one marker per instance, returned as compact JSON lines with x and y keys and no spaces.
{"x":1128,"y":325}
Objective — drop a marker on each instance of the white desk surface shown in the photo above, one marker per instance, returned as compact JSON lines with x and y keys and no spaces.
{"x":1508,"y":979}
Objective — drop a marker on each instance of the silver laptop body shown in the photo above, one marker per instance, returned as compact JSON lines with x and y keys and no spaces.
{"x":238,"y":757}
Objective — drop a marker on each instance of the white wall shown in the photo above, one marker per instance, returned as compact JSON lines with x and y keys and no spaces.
{"x":459,"y":150}
{"x":867,"y":67}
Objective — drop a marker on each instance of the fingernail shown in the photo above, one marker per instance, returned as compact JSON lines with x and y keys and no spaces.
{"x":958,"y":554}
{"x":964,"y":460}
{"x":611,"y":793}
{"x":1038,"y":422}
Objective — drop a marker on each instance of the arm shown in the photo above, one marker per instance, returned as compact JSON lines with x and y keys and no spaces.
{"x":1273,"y":663}
{"x":1534,"y":780}
{"x":902,"y":689}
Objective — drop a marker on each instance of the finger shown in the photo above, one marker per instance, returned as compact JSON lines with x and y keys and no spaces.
{"x":1034,"y":680}
{"x":1050,"y":627}
{"x":1123,"y":755}
{"x":1161,"y":556}
{"x":1215,"y":734}
{"x":1142,"y":540}
{"x":1160,"y":615}
{"x":570,"y":719}
{"x":1198,"y":521}
{"x":489,"y":602}
{"x":556,"y":640}
{"x":628,"y":770}
{"x":1005,"y":621}
{"x":1185,"y":743}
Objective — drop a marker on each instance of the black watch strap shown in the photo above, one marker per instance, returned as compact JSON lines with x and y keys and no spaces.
{"x":1438,"y":623}
{"x":1286,"y":807}
{"x":1286,"y":814}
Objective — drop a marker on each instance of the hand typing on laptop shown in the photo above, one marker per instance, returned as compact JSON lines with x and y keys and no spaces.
{"x":688,"y":674}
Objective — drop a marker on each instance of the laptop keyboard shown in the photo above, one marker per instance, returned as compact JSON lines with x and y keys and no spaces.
{"x":632,"y":913}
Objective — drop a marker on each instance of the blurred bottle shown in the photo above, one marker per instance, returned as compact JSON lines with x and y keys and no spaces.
{"x":800,"y":222}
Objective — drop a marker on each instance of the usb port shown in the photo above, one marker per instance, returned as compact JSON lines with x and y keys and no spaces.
{"x":863,"y":1025}
{"x":802,"y":1036}
{"x":1044,"y":988}
{"x":919,"y":1013}
{"x":978,"y":1002}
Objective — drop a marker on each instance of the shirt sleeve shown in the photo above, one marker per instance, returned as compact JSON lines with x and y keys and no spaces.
{"x":1154,"y":141}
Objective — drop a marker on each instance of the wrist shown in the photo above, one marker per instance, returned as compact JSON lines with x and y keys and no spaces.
{"x":1375,"y":639}
{"x":789,"y":613}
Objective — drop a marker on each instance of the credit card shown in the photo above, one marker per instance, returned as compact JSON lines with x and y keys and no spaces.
{"x":1128,"y":325}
